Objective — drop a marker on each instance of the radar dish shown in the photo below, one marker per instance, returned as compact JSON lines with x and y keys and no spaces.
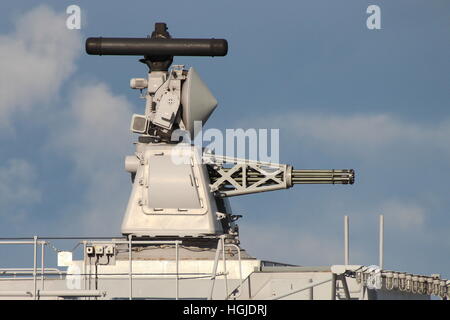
{"x":198,"y":102}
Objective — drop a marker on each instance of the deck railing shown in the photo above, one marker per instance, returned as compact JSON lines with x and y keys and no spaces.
{"x":42,"y":273}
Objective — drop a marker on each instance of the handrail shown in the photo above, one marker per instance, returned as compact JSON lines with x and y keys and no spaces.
{"x":130,"y":243}
{"x":26,"y":271}
{"x":35,"y":271}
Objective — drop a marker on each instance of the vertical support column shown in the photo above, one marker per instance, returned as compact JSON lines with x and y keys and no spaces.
{"x":177,"y":266}
{"x":34,"y":267}
{"x":84,"y":266}
{"x":42,"y":263}
{"x":381,"y":262}
{"x":346,"y":240}
{"x":225,"y":267}
{"x":89,"y":275}
{"x":130,"y":266}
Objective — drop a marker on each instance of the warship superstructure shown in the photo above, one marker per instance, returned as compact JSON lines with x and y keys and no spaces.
{"x":180,"y":237}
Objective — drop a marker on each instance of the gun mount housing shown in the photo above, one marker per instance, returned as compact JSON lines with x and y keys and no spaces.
{"x":188,"y":199}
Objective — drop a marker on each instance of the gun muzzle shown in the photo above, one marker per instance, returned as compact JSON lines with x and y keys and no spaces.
{"x":346,"y":176}
{"x":156,"y":47}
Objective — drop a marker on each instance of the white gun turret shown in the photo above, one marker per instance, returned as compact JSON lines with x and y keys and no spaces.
{"x":187,"y":199}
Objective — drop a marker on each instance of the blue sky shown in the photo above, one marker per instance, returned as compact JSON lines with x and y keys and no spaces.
{"x":343,"y":96}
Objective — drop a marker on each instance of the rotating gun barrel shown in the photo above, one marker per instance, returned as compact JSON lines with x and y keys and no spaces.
{"x":332,"y":176}
{"x":238,"y":177}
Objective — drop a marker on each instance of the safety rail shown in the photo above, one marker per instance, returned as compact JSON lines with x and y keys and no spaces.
{"x":35,"y":242}
{"x":22,"y":273}
{"x":44,"y":273}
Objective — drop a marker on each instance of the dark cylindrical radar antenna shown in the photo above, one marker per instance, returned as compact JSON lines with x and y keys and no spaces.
{"x":156,"y":47}
{"x":159,"y":49}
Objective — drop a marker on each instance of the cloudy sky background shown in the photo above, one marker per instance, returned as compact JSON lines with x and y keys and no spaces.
{"x":343,"y":96}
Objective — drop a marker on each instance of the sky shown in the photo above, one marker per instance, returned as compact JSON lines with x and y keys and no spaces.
{"x":343,"y":96}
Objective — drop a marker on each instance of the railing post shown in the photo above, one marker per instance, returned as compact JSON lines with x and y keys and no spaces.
{"x":34,"y":267}
{"x":177,"y":258}
{"x":84,"y":266}
{"x":224,"y":266}
{"x":346,"y":240}
{"x":42,"y":263}
{"x":130,"y":260}
{"x":381,"y":241}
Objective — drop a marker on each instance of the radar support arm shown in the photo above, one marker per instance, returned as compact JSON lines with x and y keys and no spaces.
{"x":232,"y":177}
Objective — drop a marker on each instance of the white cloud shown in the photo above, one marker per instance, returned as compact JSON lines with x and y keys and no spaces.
{"x":97,"y":140}
{"x":99,"y":127}
{"x":35,"y":59}
{"x":362,"y":135}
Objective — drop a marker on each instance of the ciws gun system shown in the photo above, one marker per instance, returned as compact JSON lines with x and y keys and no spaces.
{"x":186,"y":196}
